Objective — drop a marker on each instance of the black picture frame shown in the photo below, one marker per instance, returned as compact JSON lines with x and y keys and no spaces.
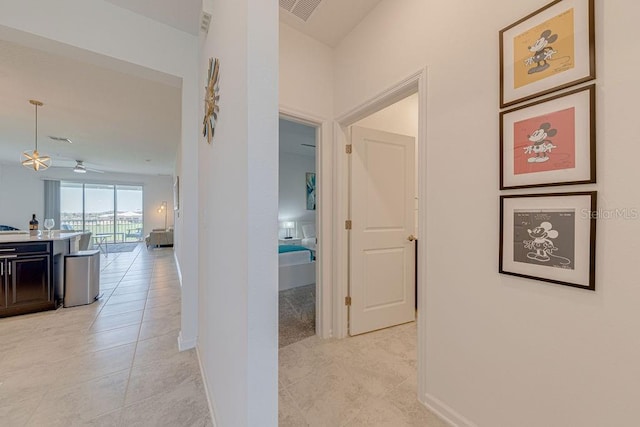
{"x":575,"y":63}
{"x":544,"y":256}
{"x":574,"y":113}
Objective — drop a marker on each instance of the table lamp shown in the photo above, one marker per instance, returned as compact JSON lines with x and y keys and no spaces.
{"x":288,"y":225}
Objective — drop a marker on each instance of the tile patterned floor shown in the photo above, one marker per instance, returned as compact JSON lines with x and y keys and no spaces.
{"x":113,"y":363}
{"x":368,"y":380}
{"x":116,"y":363}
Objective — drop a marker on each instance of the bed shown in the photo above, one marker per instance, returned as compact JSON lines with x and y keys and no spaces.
{"x":309,"y":239}
{"x":296,"y":267}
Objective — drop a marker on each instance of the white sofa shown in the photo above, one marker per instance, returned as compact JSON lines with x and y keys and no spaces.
{"x":160,"y":237}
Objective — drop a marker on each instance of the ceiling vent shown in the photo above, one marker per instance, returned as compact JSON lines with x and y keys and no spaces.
{"x":205,"y":21}
{"x":287,"y":4}
{"x":61,"y":139}
{"x":301,"y":9}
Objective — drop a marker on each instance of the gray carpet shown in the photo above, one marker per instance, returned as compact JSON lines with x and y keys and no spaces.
{"x":297,"y":314}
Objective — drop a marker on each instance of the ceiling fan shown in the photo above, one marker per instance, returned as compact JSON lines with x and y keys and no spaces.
{"x":81,"y":168}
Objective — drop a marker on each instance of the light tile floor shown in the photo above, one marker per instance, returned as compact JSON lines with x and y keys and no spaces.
{"x":116,"y":363}
{"x":368,"y":380}
{"x":112,"y":363}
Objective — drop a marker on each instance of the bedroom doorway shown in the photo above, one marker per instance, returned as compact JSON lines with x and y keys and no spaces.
{"x":297,"y":242}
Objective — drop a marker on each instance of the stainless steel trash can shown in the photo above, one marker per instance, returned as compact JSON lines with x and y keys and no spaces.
{"x":81,"y":277}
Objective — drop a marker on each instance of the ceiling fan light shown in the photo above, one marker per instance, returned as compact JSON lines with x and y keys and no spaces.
{"x":33,"y":160}
{"x":78,"y":169}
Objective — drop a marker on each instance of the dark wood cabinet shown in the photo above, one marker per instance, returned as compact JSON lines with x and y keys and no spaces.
{"x":3,"y":288}
{"x":28,"y":281}
{"x":26,"y":278}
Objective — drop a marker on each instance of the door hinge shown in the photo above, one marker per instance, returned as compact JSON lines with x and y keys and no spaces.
{"x":347,"y":224}
{"x":347,"y":301}
{"x":348,"y":148}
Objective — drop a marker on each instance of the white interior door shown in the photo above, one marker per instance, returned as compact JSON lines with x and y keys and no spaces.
{"x":382,"y":252}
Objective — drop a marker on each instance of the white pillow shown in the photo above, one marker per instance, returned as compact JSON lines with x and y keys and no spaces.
{"x":309,"y":230}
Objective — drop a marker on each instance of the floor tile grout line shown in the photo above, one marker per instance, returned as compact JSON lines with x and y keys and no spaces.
{"x":139,"y":325}
{"x":53,"y":388}
{"x":117,"y":285}
{"x":126,"y":391}
{"x":319,"y":367}
{"x":90,"y":317}
{"x":296,"y":406}
{"x":135,"y":348}
{"x":72,"y":356}
{"x":35,"y":410}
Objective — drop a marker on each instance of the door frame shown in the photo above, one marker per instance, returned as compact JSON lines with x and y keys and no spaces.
{"x":414,"y":83}
{"x":324,"y":162}
{"x":365,"y":141}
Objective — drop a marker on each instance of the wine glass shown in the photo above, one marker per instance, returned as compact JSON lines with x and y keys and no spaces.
{"x":48,"y":224}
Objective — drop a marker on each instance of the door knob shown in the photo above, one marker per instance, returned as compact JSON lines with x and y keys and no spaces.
{"x":411,"y":238}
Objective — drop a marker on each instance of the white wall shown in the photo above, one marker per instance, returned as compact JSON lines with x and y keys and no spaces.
{"x":238,"y":218}
{"x":22,"y":196}
{"x":305,"y":73}
{"x":401,"y":117}
{"x":306,"y":90}
{"x":504,"y":351}
{"x":23,"y":193}
{"x":292,"y":200}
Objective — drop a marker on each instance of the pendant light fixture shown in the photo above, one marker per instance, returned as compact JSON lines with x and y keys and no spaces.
{"x":33,"y":159}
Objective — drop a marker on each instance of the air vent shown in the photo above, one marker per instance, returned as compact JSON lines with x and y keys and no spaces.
{"x":302,"y":9}
{"x":205,"y":22}
{"x":61,"y":139}
{"x":287,"y":4}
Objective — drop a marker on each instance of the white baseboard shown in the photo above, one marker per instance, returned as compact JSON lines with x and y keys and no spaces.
{"x":186,"y":344}
{"x":445,"y":412}
{"x":212,"y":412}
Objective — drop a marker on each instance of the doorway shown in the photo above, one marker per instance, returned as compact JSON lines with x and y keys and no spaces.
{"x":308,"y":368}
{"x":415,"y":83}
{"x":297,"y":237}
{"x":383,"y":218}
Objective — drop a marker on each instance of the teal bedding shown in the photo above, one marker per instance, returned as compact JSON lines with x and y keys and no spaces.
{"x":290,"y":248}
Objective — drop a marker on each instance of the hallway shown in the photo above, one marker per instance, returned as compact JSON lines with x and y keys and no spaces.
{"x":112,"y":363}
{"x":367,"y":380}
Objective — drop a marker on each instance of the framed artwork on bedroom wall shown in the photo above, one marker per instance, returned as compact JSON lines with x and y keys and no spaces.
{"x":310,"y":183}
{"x":551,"y":49}
{"x":549,"y":142}
{"x":549,"y":237}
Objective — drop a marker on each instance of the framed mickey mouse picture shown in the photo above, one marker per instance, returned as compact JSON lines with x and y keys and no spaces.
{"x":553,"y":48}
{"x":549,"y":237}
{"x":549,"y":142}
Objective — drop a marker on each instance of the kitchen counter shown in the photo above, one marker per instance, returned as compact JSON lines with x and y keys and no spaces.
{"x":43,"y":236}
{"x":32,"y":270}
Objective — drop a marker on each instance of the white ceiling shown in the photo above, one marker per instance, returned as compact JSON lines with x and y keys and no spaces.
{"x":118,"y":122}
{"x":293,"y":135}
{"x":123,"y":118}
{"x":181,"y":14}
{"x":329,"y":23}
{"x":332,"y":20}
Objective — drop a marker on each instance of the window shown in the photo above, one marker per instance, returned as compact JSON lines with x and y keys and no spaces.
{"x":103,"y":209}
